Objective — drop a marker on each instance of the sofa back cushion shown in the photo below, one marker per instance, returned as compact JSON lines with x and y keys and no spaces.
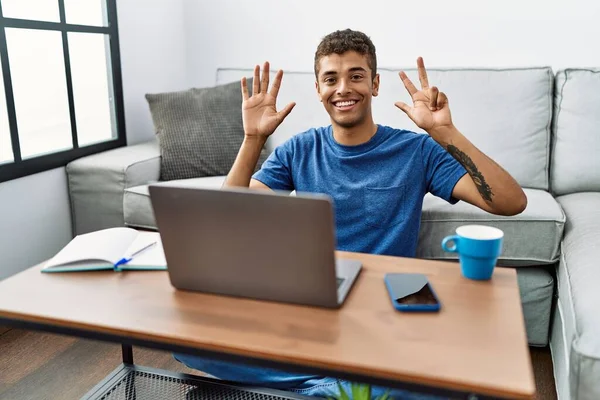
{"x":200,"y":130}
{"x":506,"y":113}
{"x":576,"y":132}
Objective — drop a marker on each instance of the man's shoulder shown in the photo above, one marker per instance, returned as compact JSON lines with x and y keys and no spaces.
{"x":402,"y":135}
{"x":397,"y":131}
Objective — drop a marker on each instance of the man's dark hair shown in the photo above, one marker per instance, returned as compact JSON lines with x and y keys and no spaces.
{"x":339,"y":42}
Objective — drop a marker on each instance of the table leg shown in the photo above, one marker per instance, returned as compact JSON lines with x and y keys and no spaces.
{"x":127,"y":354}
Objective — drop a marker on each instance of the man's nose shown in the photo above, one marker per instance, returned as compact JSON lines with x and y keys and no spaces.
{"x":343,"y":87}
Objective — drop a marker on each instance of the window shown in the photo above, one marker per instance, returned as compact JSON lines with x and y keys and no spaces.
{"x":61,"y":96}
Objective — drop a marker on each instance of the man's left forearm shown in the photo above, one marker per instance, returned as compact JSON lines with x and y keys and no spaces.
{"x":499,"y":190}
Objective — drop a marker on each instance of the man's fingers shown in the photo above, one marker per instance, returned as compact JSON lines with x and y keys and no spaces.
{"x":433,"y":100}
{"x":422,"y":73}
{"x":403,"y":106}
{"x":244,"y":89}
{"x":286,"y":111}
{"x":276,"y":84}
{"x":264,"y":82}
{"x":256,"y":80}
{"x":408,"y":84}
{"x":442,"y":100}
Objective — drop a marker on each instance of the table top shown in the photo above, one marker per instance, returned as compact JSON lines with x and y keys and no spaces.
{"x":477,"y":342}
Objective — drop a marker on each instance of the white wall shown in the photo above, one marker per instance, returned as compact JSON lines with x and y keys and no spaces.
{"x":35,"y":220}
{"x":445,"y":33}
{"x":153,"y":58}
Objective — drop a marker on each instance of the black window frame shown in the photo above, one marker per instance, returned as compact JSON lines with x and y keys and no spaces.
{"x":18,"y":167}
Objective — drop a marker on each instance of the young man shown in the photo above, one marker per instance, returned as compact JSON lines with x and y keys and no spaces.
{"x":377,"y":176}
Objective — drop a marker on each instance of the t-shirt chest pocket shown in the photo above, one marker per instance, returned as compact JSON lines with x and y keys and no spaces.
{"x":384,"y":206}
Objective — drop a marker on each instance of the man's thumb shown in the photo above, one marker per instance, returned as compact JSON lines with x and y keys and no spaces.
{"x":403,"y":106}
{"x":286,"y":110}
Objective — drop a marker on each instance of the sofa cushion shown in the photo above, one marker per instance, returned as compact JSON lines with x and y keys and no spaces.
{"x":576,"y":132}
{"x":506,"y":113}
{"x":578,"y":296}
{"x":200,"y":130}
{"x":530,"y":238}
{"x":138,"y":208}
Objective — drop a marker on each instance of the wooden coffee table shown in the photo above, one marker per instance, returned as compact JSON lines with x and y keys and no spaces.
{"x":475,"y":347}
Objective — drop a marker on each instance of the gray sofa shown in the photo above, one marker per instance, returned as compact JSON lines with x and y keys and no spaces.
{"x":544,"y":128}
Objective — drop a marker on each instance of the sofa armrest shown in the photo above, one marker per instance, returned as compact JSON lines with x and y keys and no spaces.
{"x":97,"y":183}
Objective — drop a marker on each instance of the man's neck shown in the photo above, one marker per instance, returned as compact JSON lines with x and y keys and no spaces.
{"x":355,"y":135}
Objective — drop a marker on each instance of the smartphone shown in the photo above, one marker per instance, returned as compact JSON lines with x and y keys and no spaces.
{"x":411,"y":292}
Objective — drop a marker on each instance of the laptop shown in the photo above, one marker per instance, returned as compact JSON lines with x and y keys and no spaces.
{"x":258,"y":244}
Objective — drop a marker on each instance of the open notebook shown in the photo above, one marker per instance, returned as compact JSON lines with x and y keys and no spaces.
{"x":108,"y":249}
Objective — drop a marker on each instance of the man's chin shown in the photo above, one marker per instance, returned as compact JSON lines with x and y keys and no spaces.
{"x":347,"y":123}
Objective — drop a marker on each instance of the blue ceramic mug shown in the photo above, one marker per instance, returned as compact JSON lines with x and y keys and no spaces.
{"x":478,"y":248}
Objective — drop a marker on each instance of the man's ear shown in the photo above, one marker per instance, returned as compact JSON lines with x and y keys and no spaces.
{"x":318,"y":91}
{"x":376,"y":85}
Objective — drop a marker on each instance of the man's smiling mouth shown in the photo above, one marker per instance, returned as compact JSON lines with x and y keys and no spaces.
{"x":344,"y":105}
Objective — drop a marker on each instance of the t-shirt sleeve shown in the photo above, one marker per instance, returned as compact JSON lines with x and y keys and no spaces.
{"x":441,"y":169}
{"x":276,"y":171}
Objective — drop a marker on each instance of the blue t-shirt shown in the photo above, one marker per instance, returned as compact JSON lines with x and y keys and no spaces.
{"x":377,"y":187}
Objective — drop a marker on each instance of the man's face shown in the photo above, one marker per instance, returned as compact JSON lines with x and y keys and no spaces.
{"x":345,"y":87}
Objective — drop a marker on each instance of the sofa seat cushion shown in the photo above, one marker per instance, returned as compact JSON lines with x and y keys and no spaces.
{"x":530,"y":238}
{"x":138,"y":208}
{"x":578,"y":295}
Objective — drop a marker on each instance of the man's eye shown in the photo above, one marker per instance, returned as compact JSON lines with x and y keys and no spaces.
{"x":329,"y":80}
{"x":356,"y":77}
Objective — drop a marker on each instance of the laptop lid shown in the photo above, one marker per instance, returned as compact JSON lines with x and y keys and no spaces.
{"x":249,"y":243}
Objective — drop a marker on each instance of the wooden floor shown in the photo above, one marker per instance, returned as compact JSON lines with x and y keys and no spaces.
{"x":43,"y":366}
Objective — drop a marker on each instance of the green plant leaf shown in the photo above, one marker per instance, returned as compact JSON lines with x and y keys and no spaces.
{"x":343,"y":394}
{"x":361,"y":392}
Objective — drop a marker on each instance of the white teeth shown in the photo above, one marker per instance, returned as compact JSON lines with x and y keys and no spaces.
{"x":345,"y":103}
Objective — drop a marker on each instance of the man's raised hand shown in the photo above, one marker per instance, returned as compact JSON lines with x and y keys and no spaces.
{"x":430,"y":110}
{"x":259,"y":112}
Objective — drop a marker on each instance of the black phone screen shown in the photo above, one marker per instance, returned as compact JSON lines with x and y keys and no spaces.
{"x":423,"y":296}
{"x":410,"y":289}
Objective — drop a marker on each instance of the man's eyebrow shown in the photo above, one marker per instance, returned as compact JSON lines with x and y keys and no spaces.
{"x":327,"y":73}
{"x":353,"y":69}
{"x":359,"y":69}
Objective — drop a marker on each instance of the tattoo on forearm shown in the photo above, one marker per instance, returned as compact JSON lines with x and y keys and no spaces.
{"x":476,"y":175}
